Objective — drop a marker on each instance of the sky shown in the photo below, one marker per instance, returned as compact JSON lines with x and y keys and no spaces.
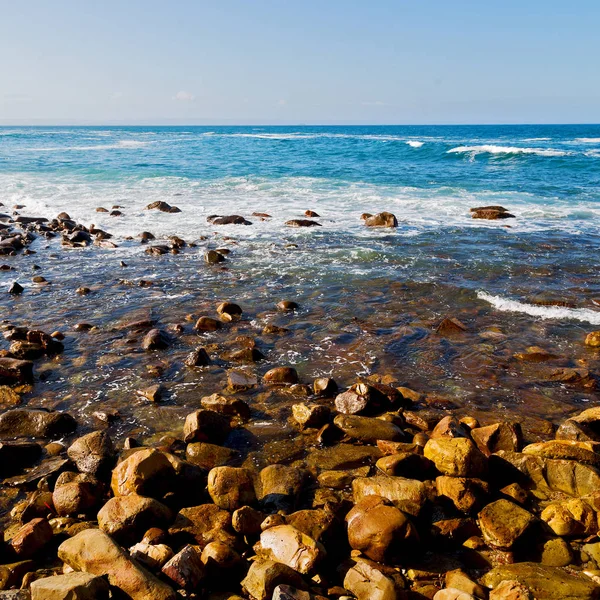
{"x":300,"y":61}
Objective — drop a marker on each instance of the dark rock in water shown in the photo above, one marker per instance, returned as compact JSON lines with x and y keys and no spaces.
{"x":155,"y":339}
{"x":450,"y":325}
{"x":287,"y":305}
{"x":15,"y":289}
{"x":47,"y":469}
{"x":302,"y":223}
{"x":116,"y":213}
{"x":366,"y":429}
{"x":262,"y":215}
{"x":226,"y":405}
{"x":100,"y":209}
{"x":274,"y":329}
{"x":228,"y":220}
{"x":82,"y":291}
{"x":229,"y":310}
{"x":491,"y":213}
{"x":63,"y":216}
{"x":157,"y":250}
{"x":206,"y":426}
{"x":21,"y":422}
{"x":207,"y":324}
{"x":77,"y":239}
{"x":30,"y":220}
{"x":311,"y":213}
{"x":26,"y":350}
{"x":212,"y":257}
{"x":146,"y":235}
{"x":244,"y":355}
{"x":281,"y":375}
{"x":325,"y":387}
{"x":163,"y":207}
{"x":198,"y":358}
{"x":15,"y":456}
{"x":383,"y":219}
{"x":13,"y":370}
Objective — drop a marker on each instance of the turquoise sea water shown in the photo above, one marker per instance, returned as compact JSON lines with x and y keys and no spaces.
{"x":549,"y":176}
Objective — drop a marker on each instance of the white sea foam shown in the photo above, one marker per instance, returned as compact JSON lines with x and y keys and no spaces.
{"x":588,"y":140}
{"x":492,"y":149}
{"x":123,"y":144}
{"x":414,"y":143}
{"x":559,"y":313}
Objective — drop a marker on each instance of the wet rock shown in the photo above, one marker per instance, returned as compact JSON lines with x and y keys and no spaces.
{"x":226,"y":405}
{"x":288,"y":545}
{"x":457,"y":457}
{"x":155,"y":339}
{"x":247,"y":520}
{"x":409,"y":495}
{"x":126,"y":518}
{"x":467,"y":494}
{"x":556,"y":553}
{"x":383,"y":219}
{"x":280,"y":486}
{"x":185,"y":569}
{"x":265,"y":575}
{"x":212,"y":257}
{"x":198,"y":358}
{"x":545,"y":583}
{"x":22,"y":422}
{"x":244,"y":355}
{"x":92,"y":453}
{"x":146,"y":472}
{"x":153,"y":393}
{"x":491,"y":213}
{"x":459,"y":580}
{"x":228,"y":220}
{"x":281,"y":376}
{"x":13,"y":371}
{"x":582,"y":427}
{"x":240,"y":381}
{"x":380,"y":531}
{"x":450,"y":427}
{"x":75,"y":493}
{"x":302,"y":223}
{"x":201,"y":525}
{"x":342,"y":456}
{"x":207,"y":324}
{"x":271,"y":329}
{"x":287,"y":305}
{"x":12,"y":574}
{"x":499,"y":436}
{"x":206,"y":426}
{"x":16,"y":289}
{"x":405,"y":464}
{"x":358,"y":399}
{"x":209,"y":456}
{"x":450,"y":326}
{"x":163,"y":207}
{"x":31,"y":538}
{"x":369,"y":581}
{"x":72,"y":586}
{"x":93,"y":551}
{"x":367,"y":429}
{"x":8,"y":397}
{"x":229,"y":311}
{"x":231,"y":488}
{"x":26,"y":350}
{"x":502,"y":523}
{"x":47,"y":469}
{"x":310,"y":415}
{"x":324,"y":387}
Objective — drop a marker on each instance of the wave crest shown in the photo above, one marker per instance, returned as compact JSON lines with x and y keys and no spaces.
{"x":492,"y":149}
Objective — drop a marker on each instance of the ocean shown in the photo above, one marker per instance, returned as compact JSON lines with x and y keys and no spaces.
{"x":370,"y":299}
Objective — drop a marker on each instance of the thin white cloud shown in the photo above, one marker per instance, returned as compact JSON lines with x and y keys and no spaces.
{"x":184,"y":96}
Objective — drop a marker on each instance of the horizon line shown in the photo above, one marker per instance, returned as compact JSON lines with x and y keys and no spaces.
{"x":298,"y":124}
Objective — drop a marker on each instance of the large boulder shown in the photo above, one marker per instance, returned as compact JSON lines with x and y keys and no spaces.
{"x":93,"y":551}
{"x":571,"y":517}
{"x":76,"y":493}
{"x":265,"y":575}
{"x":72,"y":586}
{"x":31,"y":538}
{"x":383,"y":219}
{"x":545,"y":583}
{"x":582,"y":427}
{"x":380,"y":531}
{"x":279,"y":486}
{"x":206,"y":426}
{"x":368,"y":580}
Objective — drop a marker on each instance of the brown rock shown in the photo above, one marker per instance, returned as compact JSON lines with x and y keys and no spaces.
{"x":593,"y":339}
{"x":72,"y":586}
{"x":302,"y":223}
{"x":384,"y":219}
{"x":76,"y":493}
{"x":496,"y":437}
{"x":209,"y":456}
{"x":265,"y":575}
{"x":511,"y":590}
{"x":369,"y":581}
{"x":201,"y":525}
{"x":92,"y":453}
{"x":380,"y":531}
{"x":206,"y":426}
{"x":310,"y":415}
{"x":467,"y":495}
{"x":92,"y":551}
{"x":368,"y":429}
{"x":571,"y":517}
{"x":280,"y":486}
{"x":207,"y":324}
{"x":185,"y":569}
{"x":409,"y":495}
{"x":502,"y":523}
{"x":458,"y":457}
{"x":281,"y":376}
{"x":33,"y":423}
{"x":451,"y":326}
{"x":231,"y":488}
{"x":247,"y":520}
{"x":31,"y":538}
{"x":146,"y":472}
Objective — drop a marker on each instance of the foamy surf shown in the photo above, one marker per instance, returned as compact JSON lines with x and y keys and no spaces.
{"x":492,"y":149}
{"x":414,"y":143}
{"x":558,"y":313}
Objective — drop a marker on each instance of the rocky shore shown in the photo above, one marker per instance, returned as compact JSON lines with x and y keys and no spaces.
{"x":272,"y":484}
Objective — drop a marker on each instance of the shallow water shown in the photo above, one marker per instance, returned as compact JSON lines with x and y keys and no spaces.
{"x":370,"y":299}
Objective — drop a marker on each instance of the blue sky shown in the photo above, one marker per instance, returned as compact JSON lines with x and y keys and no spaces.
{"x":302,"y":61}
